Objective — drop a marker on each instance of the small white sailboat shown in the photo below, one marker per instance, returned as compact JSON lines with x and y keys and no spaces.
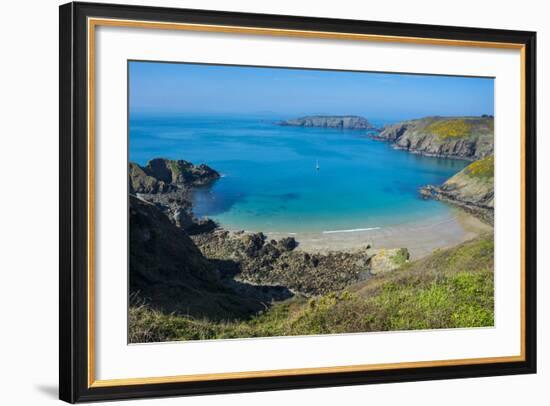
{"x":317,"y":165}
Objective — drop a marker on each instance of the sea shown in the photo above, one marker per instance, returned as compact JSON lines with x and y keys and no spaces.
{"x":294,"y":179}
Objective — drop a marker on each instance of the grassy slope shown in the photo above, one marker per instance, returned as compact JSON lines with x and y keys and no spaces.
{"x":460,"y":137}
{"x":459,"y":127}
{"x":482,"y":168}
{"x":474,"y":184}
{"x":451,"y":288}
{"x":450,"y":128}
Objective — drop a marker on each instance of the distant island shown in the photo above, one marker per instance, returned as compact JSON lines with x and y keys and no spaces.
{"x":340,"y":122}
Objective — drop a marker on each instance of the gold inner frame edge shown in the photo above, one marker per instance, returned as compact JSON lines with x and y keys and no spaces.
{"x":94,"y":22}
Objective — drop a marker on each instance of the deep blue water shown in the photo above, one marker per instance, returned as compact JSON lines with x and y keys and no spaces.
{"x":270,"y":181}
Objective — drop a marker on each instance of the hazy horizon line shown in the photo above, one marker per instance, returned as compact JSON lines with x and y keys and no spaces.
{"x":283,"y":115}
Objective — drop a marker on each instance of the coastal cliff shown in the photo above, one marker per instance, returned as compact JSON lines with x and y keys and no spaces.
{"x":167,"y":184}
{"x":471,"y":189}
{"x":162,"y":175}
{"x":468,"y":138}
{"x":171,"y":274}
{"x":338,"y":122}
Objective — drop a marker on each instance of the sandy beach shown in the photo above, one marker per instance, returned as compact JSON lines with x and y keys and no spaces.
{"x":419,"y":238}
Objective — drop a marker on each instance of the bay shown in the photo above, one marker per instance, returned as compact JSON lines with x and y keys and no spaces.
{"x":270,"y":181}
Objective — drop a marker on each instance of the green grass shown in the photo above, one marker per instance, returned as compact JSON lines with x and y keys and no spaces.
{"x":401,"y":257}
{"x":482,"y":168}
{"x":450,"y":288}
{"x":461,"y":300}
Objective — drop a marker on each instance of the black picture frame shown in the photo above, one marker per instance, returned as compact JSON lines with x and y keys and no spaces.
{"x":74,"y":199}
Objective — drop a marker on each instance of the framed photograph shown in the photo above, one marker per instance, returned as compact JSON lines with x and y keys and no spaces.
{"x":256,"y":202}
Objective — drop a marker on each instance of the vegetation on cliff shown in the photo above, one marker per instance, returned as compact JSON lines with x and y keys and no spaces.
{"x":471,"y":189}
{"x":451,"y":128}
{"x":483,"y":168}
{"x":451,"y":137}
{"x":451,"y":288}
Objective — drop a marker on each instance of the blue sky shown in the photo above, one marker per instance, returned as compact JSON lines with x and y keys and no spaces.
{"x":174,"y":88}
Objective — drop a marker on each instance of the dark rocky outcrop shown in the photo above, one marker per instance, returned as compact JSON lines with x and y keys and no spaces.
{"x":471,"y":189}
{"x":450,"y":137}
{"x":164,"y":175}
{"x":170,"y":272}
{"x":260,"y":261}
{"x":168,"y":184}
{"x":141,"y":182}
{"x":339,"y":122}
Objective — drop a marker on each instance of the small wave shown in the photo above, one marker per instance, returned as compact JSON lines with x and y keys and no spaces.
{"x":353,"y":230}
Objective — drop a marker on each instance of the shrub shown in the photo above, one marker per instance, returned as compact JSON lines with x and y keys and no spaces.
{"x":484,"y":168}
{"x":451,"y":128}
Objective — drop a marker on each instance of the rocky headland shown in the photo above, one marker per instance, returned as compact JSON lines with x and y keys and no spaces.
{"x":168,"y":184}
{"x":468,"y":138}
{"x":471,"y":189}
{"x":337,"y":122}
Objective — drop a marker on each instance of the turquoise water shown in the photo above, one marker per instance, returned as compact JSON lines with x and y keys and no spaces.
{"x":270,"y":181}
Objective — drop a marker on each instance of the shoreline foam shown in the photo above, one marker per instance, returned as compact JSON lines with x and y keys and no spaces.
{"x":352,"y":230}
{"x":420,"y":238}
